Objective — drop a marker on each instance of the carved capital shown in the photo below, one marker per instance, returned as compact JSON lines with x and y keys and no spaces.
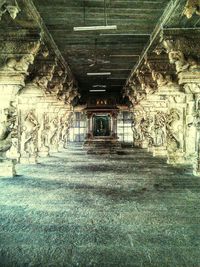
{"x":192,"y":7}
{"x":9,"y":6}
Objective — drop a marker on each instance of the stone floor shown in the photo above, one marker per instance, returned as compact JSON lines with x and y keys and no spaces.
{"x":75,"y":209}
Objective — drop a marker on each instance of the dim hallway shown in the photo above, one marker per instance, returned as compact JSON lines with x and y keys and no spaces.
{"x":75,"y":209}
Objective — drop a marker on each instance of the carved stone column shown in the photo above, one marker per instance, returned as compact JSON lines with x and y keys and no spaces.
{"x":30,"y":124}
{"x":12,"y":74}
{"x":139,"y":117}
{"x":182,"y":53}
{"x":197,"y":124}
{"x":65,"y":125}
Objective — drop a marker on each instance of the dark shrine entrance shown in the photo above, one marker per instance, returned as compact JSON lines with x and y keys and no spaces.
{"x":102,"y":127}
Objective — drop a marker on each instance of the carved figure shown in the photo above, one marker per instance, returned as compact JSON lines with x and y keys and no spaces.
{"x":177,"y":58}
{"x":18,"y":65}
{"x":70,"y":95}
{"x":193,"y":64}
{"x":135,"y":130}
{"x":145,"y":129}
{"x":7,"y":123}
{"x":29,"y":134}
{"x":65,"y":122}
{"x":53,"y":130}
{"x":159,"y":78}
{"x":131,"y":94}
{"x":9,"y":6}
{"x":138,"y":116}
{"x":191,"y":7}
{"x":42,"y":82}
{"x":160,"y":123}
{"x":197,"y":116}
{"x":44,"y":134}
{"x":174,"y":130}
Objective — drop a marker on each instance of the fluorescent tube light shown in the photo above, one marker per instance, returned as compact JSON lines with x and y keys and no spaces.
{"x":116,"y":78}
{"x":99,"y":86}
{"x":124,"y":34}
{"x":98,"y":73}
{"x":124,"y":55}
{"x":96,"y":28}
{"x":97,"y":91}
{"x":116,"y":69}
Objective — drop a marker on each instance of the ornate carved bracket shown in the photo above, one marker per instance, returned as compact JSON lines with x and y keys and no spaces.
{"x":11,"y":7}
{"x":192,"y":7}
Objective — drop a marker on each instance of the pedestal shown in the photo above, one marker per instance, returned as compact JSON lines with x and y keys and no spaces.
{"x":159,"y":151}
{"x":150,"y":149}
{"x":137,"y":144}
{"x":54,"y":149}
{"x":43,"y":153}
{"x":7,"y":168}
{"x":27,"y":160}
{"x":176,"y":158}
{"x":196,"y":170}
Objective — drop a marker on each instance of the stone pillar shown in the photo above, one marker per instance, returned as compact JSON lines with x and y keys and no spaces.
{"x":160,"y":146}
{"x":114,"y":124}
{"x":197,"y":161}
{"x":192,"y":89}
{"x":65,"y":123}
{"x":90,"y":125}
{"x":175,"y":128}
{"x":53,"y":129}
{"x":9,"y":87}
{"x":43,"y":147}
{"x":182,"y":53}
{"x":12,"y":75}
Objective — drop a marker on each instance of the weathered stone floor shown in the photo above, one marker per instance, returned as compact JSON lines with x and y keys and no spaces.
{"x":75,"y":209}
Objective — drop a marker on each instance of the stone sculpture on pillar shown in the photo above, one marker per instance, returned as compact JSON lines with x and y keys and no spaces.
{"x":65,"y":129}
{"x":145,"y":126}
{"x":29,"y":138}
{"x":7,"y":123}
{"x":174,"y":131}
{"x":191,"y":7}
{"x":21,"y":65}
{"x":43,"y":142}
{"x":9,"y":6}
{"x":160,"y":123}
{"x":197,"y":125}
{"x":53,"y":135}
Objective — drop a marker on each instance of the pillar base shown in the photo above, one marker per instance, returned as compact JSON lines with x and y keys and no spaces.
{"x":176,"y":158}
{"x":61,"y":147}
{"x":137,"y":144}
{"x":54,"y":149}
{"x":31,"y":160}
{"x":43,"y":154}
{"x":159,"y":151}
{"x":7,"y":168}
{"x":196,"y":170}
{"x":145,"y":145}
{"x":150,"y":149}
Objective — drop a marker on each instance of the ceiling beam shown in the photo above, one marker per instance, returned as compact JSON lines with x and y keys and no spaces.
{"x":45,"y":34}
{"x":171,"y":7}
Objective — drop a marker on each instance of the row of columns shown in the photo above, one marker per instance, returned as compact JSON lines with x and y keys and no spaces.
{"x":166,"y":106}
{"x":36,"y":95}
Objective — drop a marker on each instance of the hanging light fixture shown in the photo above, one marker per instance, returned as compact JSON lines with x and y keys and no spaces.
{"x":95,"y":28}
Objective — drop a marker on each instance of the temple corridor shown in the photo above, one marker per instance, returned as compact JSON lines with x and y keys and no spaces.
{"x":75,"y":209}
{"x":99,"y":133}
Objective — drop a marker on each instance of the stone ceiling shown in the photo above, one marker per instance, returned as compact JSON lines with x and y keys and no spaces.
{"x":117,"y":51}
